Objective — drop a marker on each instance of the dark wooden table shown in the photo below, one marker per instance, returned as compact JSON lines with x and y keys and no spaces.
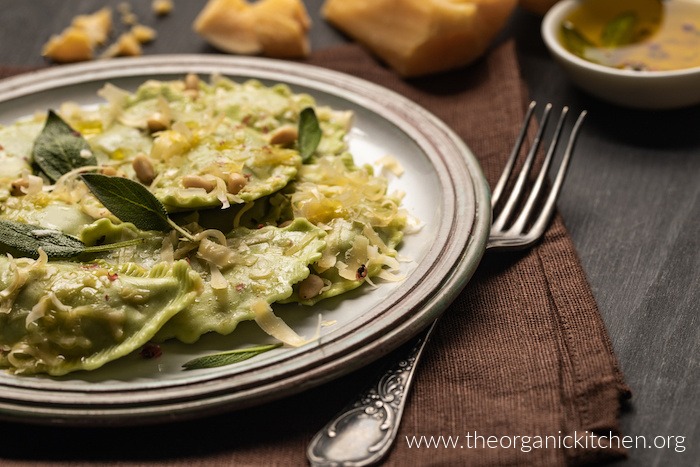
{"x":632,"y":205}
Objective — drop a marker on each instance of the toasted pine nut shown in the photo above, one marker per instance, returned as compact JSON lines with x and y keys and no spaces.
{"x":157,"y":122}
{"x":235,"y":183}
{"x":191,"y":86}
{"x":310,"y":287}
{"x":144,"y":169}
{"x":192,"y":82}
{"x":19,"y":187}
{"x":195,"y":181}
{"x":284,"y":135}
{"x":108,"y":170}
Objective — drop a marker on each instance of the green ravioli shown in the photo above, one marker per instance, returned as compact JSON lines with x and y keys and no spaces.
{"x":267,"y":169}
{"x":364,"y":223}
{"x":266,"y":263}
{"x":60,"y":317}
{"x":250,"y":222}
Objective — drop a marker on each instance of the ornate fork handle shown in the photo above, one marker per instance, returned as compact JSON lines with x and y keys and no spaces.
{"x":364,"y":431}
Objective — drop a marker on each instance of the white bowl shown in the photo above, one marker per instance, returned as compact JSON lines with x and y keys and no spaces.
{"x":629,"y":88}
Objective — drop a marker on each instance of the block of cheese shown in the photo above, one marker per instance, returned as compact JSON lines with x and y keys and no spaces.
{"x":419,"y":37}
{"x":275,"y":28}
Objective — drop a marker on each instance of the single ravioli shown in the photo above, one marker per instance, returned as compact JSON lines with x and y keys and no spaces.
{"x":264,"y":265}
{"x":202,"y":177}
{"x":364,"y":222}
{"x":355,"y":254}
{"x":61,"y":317}
{"x":208,"y":145}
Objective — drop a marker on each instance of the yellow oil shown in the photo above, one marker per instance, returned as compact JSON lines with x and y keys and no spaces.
{"x":88,"y":127}
{"x":117,"y":154}
{"x":650,"y":35}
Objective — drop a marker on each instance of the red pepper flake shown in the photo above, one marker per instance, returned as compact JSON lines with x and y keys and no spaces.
{"x":112,"y":276}
{"x":90,"y":266}
{"x":260,"y":226}
{"x":106,"y":298}
{"x":150,"y":351}
{"x":240,"y":287}
{"x":361,"y":272}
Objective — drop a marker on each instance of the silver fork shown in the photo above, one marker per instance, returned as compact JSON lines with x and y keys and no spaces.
{"x":363,"y":433}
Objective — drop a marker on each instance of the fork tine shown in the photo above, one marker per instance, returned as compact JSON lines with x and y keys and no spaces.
{"x":542,"y":221}
{"x":505,"y":214}
{"x":520,"y":223}
{"x":505,"y":175}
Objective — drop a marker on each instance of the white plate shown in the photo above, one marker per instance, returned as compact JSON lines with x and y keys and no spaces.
{"x":444,"y":188}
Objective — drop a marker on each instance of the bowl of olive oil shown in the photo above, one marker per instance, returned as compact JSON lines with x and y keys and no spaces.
{"x":634,"y":53}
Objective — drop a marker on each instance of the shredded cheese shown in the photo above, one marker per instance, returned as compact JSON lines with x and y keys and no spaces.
{"x":277,"y":328}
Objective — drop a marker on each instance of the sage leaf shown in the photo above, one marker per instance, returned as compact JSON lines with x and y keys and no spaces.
{"x":619,"y":31}
{"x":309,"y":133}
{"x":574,"y":40}
{"x":129,"y":201}
{"x":59,"y":148}
{"x":26,"y":239}
{"x":228,"y":358}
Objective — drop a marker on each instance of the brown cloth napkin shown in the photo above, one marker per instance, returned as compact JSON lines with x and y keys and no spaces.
{"x":522,"y":351}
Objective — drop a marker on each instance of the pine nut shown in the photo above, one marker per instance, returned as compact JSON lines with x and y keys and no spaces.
{"x":235,"y":183}
{"x":19,"y":187}
{"x":144,"y":169}
{"x":284,"y":136}
{"x":157,"y":122}
{"x":192,"y":82}
{"x":109,"y":171}
{"x":310,"y":287}
{"x":195,"y":181}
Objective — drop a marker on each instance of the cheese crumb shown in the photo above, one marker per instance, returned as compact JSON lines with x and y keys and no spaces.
{"x":78,"y":41}
{"x":127,"y":45}
{"x":162,"y":7}
{"x":143,"y":33}
{"x":128,"y":16}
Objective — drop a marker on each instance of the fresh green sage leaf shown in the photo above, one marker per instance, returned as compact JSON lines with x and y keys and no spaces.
{"x":227,"y":358}
{"x":26,"y":239}
{"x":619,"y":30}
{"x":129,"y":201}
{"x":309,"y":133}
{"x":59,"y":148}
{"x":574,"y":41}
